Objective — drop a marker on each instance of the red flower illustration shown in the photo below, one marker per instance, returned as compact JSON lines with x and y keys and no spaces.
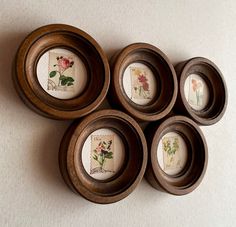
{"x":64,"y":63}
{"x":196,"y":85}
{"x":143,"y":80}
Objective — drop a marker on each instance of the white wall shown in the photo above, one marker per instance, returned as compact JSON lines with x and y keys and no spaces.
{"x":32,"y":192}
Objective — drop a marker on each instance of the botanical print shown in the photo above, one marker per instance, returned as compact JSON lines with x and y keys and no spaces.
{"x":102,"y":154}
{"x":140,"y":83}
{"x":171,"y":153}
{"x":196,"y":88}
{"x":61,"y":72}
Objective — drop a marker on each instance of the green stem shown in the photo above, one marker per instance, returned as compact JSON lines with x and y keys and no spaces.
{"x":144,"y":93}
{"x":59,"y":81}
{"x":197,"y":94}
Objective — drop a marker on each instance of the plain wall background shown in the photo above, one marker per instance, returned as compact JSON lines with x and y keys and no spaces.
{"x":32,"y":192}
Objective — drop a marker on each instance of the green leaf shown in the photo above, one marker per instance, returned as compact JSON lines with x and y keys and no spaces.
{"x":70,"y":79}
{"x":64,"y":82}
{"x":52,"y":74}
{"x":69,"y":84}
{"x":95,"y":157}
{"x":110,"y":157}
{"x":62,"y":77}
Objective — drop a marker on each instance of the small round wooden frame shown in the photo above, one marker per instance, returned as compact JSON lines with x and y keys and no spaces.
{"x":124,"y":182}
{"x":217,"y":102}
{"x":164,"y":74}
{"x":81,"y":44}
{"x":191,"y":175}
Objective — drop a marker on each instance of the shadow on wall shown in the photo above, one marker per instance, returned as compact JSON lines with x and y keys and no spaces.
{"x":9,"y":44}
{"x":47,"y":162}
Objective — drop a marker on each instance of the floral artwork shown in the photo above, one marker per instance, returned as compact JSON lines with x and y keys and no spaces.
{"x":196,"y":86}
{"x":102,"y":154}
{"x":171,"y":156}
{"x":196,"y":92}
{"x":61,"y":72}
{"x":140,"y":83}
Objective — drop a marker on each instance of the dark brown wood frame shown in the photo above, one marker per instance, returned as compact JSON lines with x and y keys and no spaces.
{"x":164,"y":73}
{"x":192,"y":174}
{"x":77,"y":41}
{"x":126,"y":180}
{"x":211,"y":74}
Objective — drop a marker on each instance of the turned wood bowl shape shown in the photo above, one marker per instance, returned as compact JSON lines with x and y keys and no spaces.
{"x":72,"y":39}
{"x":164,"y":76}
{"x":214,"y":81}
{"x":126,"y":179}
{"x":194,"y":169}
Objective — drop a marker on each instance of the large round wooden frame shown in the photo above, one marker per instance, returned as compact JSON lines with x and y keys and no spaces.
{"x":76,"y":41}
{"x":130,"y":174}
{"x":163,"y":71}
{"x":213,"y":77}
{"x":192,"y":174}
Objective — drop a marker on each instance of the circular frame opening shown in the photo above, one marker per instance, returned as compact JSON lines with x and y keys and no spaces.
{"x":165,"y":77}
{"x":191,"y":175}
{"x":217,"y":100}
{"x":79,"y":43}
{"x":129,"y":175}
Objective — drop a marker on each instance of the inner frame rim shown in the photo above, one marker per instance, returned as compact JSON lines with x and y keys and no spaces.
{"x":214,"y":112}
{"x":125,"y":189}
{"x":24,"y":89}
{"x":138,"y":112}
{"x":32,"y":79}
{"x":167,"y":182}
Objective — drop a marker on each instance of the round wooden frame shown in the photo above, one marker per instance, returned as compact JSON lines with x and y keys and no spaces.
{"x":125,"y":181}
{"x":192,"y":174}
{"x":163,"y":71}
{"x":217,"y":103}
{"x":72,"y":39}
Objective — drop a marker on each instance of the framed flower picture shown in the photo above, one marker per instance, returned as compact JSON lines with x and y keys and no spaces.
{"x":143,"y":82}
{"x":202,"y":91}
{"x":103,"y":158}
{"x":178,"y":155}
{"x":61,"y":72}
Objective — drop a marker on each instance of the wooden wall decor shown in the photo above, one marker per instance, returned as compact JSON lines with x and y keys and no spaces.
{"x":103,"y":157}
{"x":61,"y":72}
{"x":143,"y":82}
{"x":177,"y":155}
{"x":202,"y":91}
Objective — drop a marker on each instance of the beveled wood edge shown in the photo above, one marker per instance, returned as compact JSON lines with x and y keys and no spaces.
{"x":150,"y":174}
{"x":35,"y":104}
{"x":71,"y":174}
{"x":181,"y":69}
{"x":116,"y":60}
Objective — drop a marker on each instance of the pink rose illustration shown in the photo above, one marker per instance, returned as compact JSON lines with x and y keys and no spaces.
{"x":63,"y":63}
